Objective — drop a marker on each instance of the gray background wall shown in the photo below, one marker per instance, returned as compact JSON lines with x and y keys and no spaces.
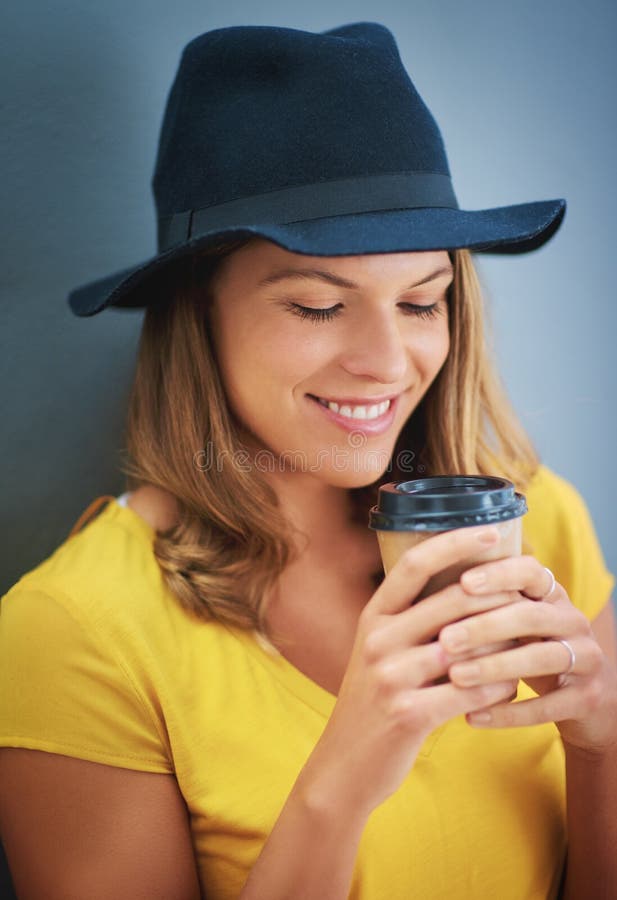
{"x":525,"y":96}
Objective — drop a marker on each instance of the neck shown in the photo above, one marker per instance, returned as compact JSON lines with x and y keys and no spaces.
{"x":335,"y":572}
{"x":322,"y":513}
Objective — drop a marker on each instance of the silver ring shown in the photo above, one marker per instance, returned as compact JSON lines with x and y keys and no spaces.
{"x":561,"y":680}
{"x":553,"y":583}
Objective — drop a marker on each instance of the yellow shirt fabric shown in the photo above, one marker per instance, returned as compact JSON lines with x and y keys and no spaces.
{"x":99,"y":661}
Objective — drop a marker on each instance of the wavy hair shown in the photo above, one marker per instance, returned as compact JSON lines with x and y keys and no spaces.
{"x":230,"y":542}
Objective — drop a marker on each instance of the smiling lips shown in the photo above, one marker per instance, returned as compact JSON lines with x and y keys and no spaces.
{"x":358,"y":411}
{"x":372,"y":418}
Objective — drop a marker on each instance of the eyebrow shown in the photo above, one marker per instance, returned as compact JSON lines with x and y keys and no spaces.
{"x":337,"y":280}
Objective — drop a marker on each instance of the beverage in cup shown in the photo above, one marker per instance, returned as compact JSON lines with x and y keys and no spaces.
{"x":408,"y":512}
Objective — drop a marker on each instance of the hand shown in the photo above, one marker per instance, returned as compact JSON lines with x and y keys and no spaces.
{"x":584,"y":704}
{"x":388,"y":701}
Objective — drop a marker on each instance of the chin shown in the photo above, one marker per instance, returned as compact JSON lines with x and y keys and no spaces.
{"x":350,"y":478}
{"x":350,"y":466}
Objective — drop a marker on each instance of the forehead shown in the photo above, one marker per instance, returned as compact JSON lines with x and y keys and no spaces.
{"x":262,"y":260}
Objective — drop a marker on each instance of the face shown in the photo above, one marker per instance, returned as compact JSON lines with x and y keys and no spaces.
{"x":323,"y":359}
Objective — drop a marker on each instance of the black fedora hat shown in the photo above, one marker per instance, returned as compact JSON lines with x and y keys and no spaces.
{"x":318,"y":142}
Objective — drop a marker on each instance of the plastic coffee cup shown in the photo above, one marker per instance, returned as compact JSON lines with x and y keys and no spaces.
{"x":409,"y":512}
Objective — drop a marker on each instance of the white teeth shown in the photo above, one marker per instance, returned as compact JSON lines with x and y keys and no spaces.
{"x":358,"y":412}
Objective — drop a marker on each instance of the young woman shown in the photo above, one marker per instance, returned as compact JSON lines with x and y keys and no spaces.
{"x":210,"y":690}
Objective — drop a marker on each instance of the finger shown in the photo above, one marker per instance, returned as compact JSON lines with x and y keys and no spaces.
{"x":414,"y":568}
{"x":521,"y":573}
{"x":486,"y":650}
{"x":422,"y":622}
{"x":409,"y":668}
{"x":527,"y":618}
{"x":439,"y":703}
{"x":449,"y":605}
{"x":557,"y":706}
{"x":538,"y":658}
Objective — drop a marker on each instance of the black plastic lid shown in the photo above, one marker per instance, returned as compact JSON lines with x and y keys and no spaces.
{"x":444,"y":502}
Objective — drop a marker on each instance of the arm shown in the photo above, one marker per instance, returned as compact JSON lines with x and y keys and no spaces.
{"x":584,"y":708}
{"x":591,"y":786}
{"x":311,"y":851}
{"x":388,"y":702}
{"x":73,"y":829}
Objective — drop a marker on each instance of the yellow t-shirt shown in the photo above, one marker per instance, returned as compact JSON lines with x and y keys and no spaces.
{"x":99,"y":661}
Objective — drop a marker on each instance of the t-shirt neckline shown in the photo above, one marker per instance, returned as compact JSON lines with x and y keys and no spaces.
{"x":307,"y":690}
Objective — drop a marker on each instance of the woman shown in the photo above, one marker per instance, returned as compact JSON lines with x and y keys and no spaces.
{"x":232,"y":701}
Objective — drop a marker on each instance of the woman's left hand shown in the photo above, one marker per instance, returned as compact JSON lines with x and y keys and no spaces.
{"x":583,"y":703}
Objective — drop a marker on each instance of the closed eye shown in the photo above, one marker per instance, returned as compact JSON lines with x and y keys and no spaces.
{"x":325,"y":315}
{"x":425,"y":312}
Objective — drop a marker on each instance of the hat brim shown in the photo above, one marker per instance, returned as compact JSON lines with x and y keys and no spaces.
{"x":507,"y":229}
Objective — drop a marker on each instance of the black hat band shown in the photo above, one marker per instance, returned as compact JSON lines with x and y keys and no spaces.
{"x":347,"y":196}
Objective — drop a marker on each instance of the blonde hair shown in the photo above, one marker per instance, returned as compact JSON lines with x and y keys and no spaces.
{"x":223,"y":556}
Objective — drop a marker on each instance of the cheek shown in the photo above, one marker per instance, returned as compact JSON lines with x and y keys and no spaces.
{"x":443,"y":347}
{"x":283,"y":356}
{"x":430,"y":350}
{"x":258,"y":352}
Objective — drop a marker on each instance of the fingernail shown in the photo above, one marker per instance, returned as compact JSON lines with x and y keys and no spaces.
{"x":465,"y":673}
{"x":479,"y":718}
{"x":455,"y":637}
{"x":474,"y":579}
{"x":489,"y":536}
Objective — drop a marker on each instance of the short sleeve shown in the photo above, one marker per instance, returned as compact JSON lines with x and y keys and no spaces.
{"x":63,"y":688}
{"x":561,"y":526}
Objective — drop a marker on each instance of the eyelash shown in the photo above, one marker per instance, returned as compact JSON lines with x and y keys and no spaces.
{"x":325,"y":315}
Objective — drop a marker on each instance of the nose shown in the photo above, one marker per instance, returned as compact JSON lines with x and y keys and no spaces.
{"x":376,"y":349}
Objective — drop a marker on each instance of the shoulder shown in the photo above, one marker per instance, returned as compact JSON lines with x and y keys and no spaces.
{"x":546,"y":485}
{"x":106,"y":572}
{"x":552,"y":499}
{"x":560,"y":532}
{"x":156,"y":506}
{"x":555,"y":507}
